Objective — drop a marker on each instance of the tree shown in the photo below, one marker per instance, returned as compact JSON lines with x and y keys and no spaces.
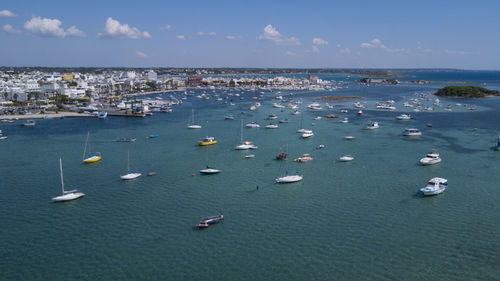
{"x":29,"y":96}
{"x":15,"y":97}
{"x":5,"y":95}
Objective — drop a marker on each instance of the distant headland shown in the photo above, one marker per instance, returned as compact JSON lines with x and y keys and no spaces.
{"x":465,"y":92}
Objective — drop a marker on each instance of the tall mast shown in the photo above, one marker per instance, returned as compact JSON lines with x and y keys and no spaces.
{"x":62,"y":178}
{"x":128,"y":160}
{"x":86,"y":142}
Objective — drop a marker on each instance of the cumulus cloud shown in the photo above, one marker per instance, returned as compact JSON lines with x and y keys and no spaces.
{"x":458,"y":52}
{"x":113,"y":29}
{"x":50,"y":28}
{"x":180,"y":37}
{"x":201,"y":33}
{"x":290,"y":53}
{"x":7,"y":13}
{"x":319,"y":41}
{"x":345,"y":51}
{"x":10,"y":29}
{"x":212,"y":33}
{"x":376,"y":43}
{"x":141,"y":54}
{"x":272,"y":35}
{"x":166,"y":27}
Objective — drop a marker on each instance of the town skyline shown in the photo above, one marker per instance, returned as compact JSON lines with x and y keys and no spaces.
{"x":227,"y":34}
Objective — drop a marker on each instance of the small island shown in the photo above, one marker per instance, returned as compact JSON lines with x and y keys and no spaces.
{"x":465,"y":92}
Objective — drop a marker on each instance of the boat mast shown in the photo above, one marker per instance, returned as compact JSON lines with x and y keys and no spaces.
{"x":241,"y":132}
{"x":62,"y":178}
{"x":86,"y":142}
{"x":128,"y":160}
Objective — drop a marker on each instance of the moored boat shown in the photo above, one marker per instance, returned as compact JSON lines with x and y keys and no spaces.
{"x":430,"y":159}
{"x":207,"y":141}
{"x":435,"y":186}
{"x":412,"y":132}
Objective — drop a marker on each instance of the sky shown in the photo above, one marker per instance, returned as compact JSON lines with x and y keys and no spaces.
{"x":219,"y":33}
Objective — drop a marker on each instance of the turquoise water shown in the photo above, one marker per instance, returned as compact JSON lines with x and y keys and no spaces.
{"x":362,"y":220}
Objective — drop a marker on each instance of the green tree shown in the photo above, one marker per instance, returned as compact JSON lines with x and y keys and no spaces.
{"x":15,"y":97}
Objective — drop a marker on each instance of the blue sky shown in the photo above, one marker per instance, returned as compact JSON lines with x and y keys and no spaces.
{"x":368,"y":34}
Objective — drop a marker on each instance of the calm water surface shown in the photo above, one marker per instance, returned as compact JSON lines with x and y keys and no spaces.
{"x":362,"y":220}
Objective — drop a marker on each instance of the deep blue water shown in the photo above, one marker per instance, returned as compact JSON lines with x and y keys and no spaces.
{"x":362,"y":220}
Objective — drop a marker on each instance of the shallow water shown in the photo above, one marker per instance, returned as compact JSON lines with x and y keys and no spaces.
{"x":357,"y":220}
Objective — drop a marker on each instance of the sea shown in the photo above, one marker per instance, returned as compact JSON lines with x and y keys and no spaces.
{"x":358,"y":220}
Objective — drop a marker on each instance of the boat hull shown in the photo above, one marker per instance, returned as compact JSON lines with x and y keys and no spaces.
{"x":68,"y":197}
{"x":92,"y":159}
{"x":130,"y":176}
{"x":288,"y":179}
{"x":205,"y":143}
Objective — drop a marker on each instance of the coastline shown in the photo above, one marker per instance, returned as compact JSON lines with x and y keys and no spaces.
{"x":64,"y":114}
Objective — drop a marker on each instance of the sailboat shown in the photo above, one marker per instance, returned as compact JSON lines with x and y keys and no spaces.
{"x":301,"y":129}
{"x":288,"y":178}
{"x":193,"y":125}
{"x":66,"y":195}
{"x":130,"y":174}
{"x":91,"y":158}
{"x":209,"y":170}
{"x":244,"y":145}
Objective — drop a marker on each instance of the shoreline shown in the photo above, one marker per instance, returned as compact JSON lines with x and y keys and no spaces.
{"x":64,"y":114}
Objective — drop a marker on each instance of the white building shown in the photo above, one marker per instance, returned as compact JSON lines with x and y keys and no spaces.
{"x":152,"y":76}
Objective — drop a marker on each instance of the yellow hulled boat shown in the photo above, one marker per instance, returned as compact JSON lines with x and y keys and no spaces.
{"x":207,"y":141}
{"x":92,"y":159}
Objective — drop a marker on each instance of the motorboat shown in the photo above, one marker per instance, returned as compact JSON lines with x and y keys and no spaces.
{"x":152,"y":136}
{"x":284,"y":121}
{"x":349,"y":137}
{"x":307,"y":134}
{"x":403,"y":117}
{"x":206,"y":222}
{"x":317,"y":118}
{"x":346,"y":158}
{"x":29,"y":123}
{"x":430,"y":159}
{"x":304,"y":158}
{"x":248,"y":156}
{"x":102,"y":114}
{"x":209,"y":171}
{"x":345,"y":120}
{"x":67,"y":195}
{"x":372,"y":126}
{"x":314,"y":106}
{"x":360,"y":112}
{"x":289,"y":179}
{"x":252,"y":125}
{"x":412,"y":132}
{"x":229,"y":117}
{"x":277,"y":105}
{"x":435,"y":186}
{"x":343,"y":111}
{"x":272,"y":126}
{"x":126,"y":139}
{"x":359,"y":105}
{"x":321,"y":146}
{"x":272,"y":117}
{"x":207,"y":141}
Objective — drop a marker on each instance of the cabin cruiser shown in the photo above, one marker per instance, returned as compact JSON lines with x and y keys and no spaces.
{"x":307,"y":134}
{"x":206,"y":222}
{"x":305,"y":158}
{"x":412,"y":132}
{"x":435,"y":186}
{"x":403,"y":117}
{"x":430,"y":159}
{"x":372,"y":126}
{"x":346,"y":158}
{"x":246,"y":145}
{"x":272,"y":126}
{"x":207,"y":141}
{"x":252,"y":125}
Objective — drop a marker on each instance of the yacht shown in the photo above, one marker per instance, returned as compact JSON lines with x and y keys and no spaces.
{"x":305,"y":158}
{"x":372,"y":126}
{"x":345,"y":120}
{"x":430,"y":159}
{"x":253,"y":125}
{"x":192,"y":124}
{"x":346,"y":158}
{"x":246,"y":145}
{"x":289,"y":179}
{"x":307,"y":134}
{"x":29,"y":123}
{"x":209,"y":171}
{"x":412,"y":132}
{"x":102,"y":114}
{"x":272,"y":126}
{"x":207,"y":141}
{"x":349,"y":137}
{"x":435,"y":186}
{"x":206,"y":222}
{"x":403,"y":117}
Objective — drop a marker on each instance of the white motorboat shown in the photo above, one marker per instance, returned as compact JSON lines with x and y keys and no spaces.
{"x":317,"y":118}
{"x":272,"y":126}
{"x":289,"y":179}
{"x":430,"y":159}
{"x":102,"y":115}
{"x":66,"y":195}
{"x":349,"y":137}
{"x":307,"y":134}
{"x":403,"y":117}
{"x":29,"y":123}
{"x":321,"y":146}
{"x":346,"y":158}
{"x":359,"y":105}
{"x":130,"y":175}
{"x":192,"y":124}
{"x":252,"y":125}
{"x":304,"y":158}
{"x":412,"y":132}
{"x":435,"y":186}
{"x":372,"y":126}
{"x":272,"y":117}
{"x":345,"y":120}
{"x":248,"y":156}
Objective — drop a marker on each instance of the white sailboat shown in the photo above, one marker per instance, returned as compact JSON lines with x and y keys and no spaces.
{"x":244,"y":145}
{"x":209,"y":170}
{"x":66,"y":195}
{"x":131,"y":174}
{"x":193,"y":125}
{"x":92,"y":157}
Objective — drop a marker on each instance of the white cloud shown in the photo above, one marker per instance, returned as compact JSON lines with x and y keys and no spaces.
{"x":319,"y":41}
{"x":50,"y":28}
{"x":141,"y":54}
{"x":315,"y":49}
{"x":345,"y":51}
{"x":376,"y":43}
{"x":166,"y":27}
{"x":271,"y":34}
{"x":73,"y":31}
{"x":10,"y":29}
{"x":180,"y":37}
{"x":201,"y":33}
{"x":7,"y":13}
{"x":230,"y":37}
{"x":459,"y":53}
{"x":113,"y":29}
{"x":212,"y":33}
{"x":290,"y":53}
